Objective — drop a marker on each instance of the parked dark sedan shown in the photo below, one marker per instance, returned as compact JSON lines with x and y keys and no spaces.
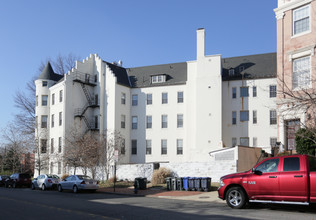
{"x":2,"y":179}
{"x":18,"y":179}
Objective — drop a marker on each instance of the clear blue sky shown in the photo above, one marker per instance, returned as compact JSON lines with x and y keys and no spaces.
{"x":139,"y":32}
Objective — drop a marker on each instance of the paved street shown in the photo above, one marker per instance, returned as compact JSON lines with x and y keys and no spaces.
{"x":27,"y":204}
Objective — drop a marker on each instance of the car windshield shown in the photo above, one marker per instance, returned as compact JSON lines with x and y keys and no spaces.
{"x":53,"y":176}
{"x":83,"y":177}
{"x":25,"y":176}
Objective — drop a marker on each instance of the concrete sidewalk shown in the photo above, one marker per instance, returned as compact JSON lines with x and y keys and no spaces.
{"x":211,"y":196}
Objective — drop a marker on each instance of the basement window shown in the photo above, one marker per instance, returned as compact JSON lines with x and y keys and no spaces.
{"x":158,"y":78}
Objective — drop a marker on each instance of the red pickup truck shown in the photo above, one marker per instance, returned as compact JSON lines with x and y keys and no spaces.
{"x":283,"y":179}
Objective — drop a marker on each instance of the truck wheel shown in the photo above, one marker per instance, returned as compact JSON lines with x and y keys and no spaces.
{"x":236,"y":198}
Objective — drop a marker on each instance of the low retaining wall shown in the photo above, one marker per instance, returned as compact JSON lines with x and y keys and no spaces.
{"x":213,"y":169}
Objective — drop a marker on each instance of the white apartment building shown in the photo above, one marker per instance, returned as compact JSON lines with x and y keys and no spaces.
{"x":170,"y":113}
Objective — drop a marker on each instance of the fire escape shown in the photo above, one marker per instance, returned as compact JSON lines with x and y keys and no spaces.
{"x":85,"y":81}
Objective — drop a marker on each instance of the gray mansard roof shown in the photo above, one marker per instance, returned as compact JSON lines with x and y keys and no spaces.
{"x":258,"y":66}
{"x":252,"y":67}
{"x":120,"y":74}
{"x":176,"y":74}
{"x":48,"y":73}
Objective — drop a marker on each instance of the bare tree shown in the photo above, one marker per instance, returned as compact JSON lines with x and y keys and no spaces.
{"x":91,"y":151}
{"x":295,"y":101}
{"x":25,"y":100}
{"x":16,"y":146}
{"x":110,"y":142}
{"x":82,"y":151}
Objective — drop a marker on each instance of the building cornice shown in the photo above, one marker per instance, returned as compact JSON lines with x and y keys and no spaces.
{"x":279,"y":12}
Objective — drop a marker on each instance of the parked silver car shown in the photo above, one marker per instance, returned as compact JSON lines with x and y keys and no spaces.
{"x":45,"y":181}
{"x":78,"y":182}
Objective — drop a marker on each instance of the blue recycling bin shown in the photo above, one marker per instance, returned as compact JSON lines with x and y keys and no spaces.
{"x":185,"y":182}
{"x":206,"y":184}
{"x":197,"y":183}
{"x":191,"y":183}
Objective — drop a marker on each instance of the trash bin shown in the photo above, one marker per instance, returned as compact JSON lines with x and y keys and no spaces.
{"x":191,"y":183}
{"x":141,"y":183}
{"x":197,"y":184}
{"x":206,"y":184}
{"x":168,"y":182}
{"x":185,"y":182}
{"x":180,"y":183}
{"x":173,"y":183}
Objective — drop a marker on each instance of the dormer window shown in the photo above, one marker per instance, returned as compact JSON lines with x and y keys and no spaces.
{"x":158,"y":78}
{"x":231,"y":72}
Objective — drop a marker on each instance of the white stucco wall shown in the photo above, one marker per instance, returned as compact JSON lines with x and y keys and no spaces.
{"x":262,"y":103}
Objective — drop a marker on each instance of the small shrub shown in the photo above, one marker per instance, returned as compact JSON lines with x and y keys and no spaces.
{"x":160,"y":175}
{"x":64,"y":176}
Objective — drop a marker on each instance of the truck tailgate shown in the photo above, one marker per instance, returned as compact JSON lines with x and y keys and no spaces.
{"x":312,"y":176}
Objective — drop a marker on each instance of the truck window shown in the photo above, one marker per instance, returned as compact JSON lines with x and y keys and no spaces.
{"x":291,"y":164}
{"x":312,"y":164}
{"x":269,"y":166}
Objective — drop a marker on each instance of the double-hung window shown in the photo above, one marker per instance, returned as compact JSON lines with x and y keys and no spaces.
{"x":149,"y":121}
{"x":180,"y":121}
{"x":134,"y":100}
{"x":44,"y":100}
{"x":254,"y":91}
{"x":179,"y":146}
{"x":53,"y":120}
{"x":123,"y":98}
{"x":53,"y":99}
{"x":164,"y":97}
{"x":60,"y":95}
{"x":163,"y":146}
{"x":60,"y":118}
{"x":234,"y":92}
{"x":273,"y":117}
{"x":134,"y":122}
{"x":149,"y":99}
{"x":180,"y":97}
{"x":123,"y":119}
{"x":254,"y":117}
{"x":301,"y":20}
{"x":234,"y":118}
{"x":273,"y":91}
{"x":164,"y":121}
{"x":134,"y":147}
{"x":301,"y":72}
{"x":44,"y":121}
{"x":148,"y":147}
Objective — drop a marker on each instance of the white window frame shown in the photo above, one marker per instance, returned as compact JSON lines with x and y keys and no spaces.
{"x":164,"y":147}
{"x":293,"y":21}
{"x":179,"y":146}
{"x":134,"y":122}
{"x":298,"y":76}
{"x":149,"y":122}
{"x":158,"y":79}
{"x":148,"y":147}
{"x":134,"y":101}
{"x":164,"y":121}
